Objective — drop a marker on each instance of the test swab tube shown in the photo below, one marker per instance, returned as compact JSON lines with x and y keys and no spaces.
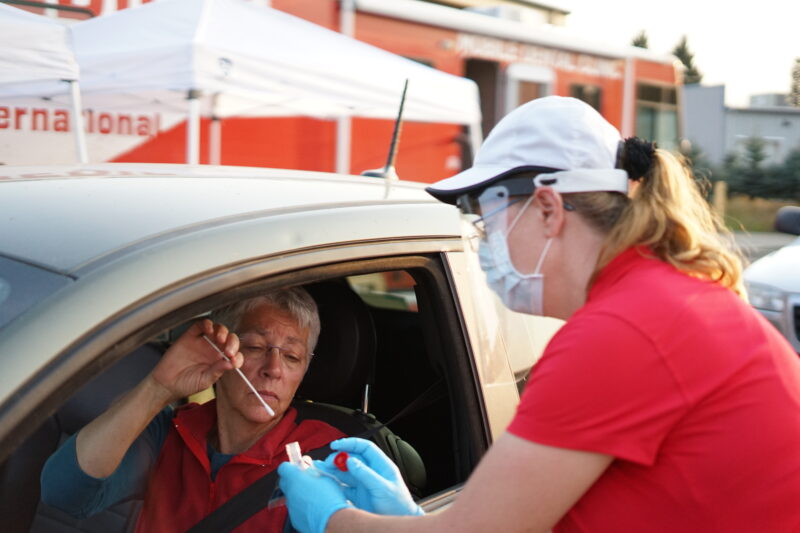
{"x":294,"y":454}
{"x":269,"y":410}
{"x":305,"y":462}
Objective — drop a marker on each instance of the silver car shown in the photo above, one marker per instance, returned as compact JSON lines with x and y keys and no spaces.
{"x":101,"y":267}
{"x":773,"y":282}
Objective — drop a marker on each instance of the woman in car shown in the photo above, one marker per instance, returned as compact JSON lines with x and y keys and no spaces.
{"x":665,"y":403}
{"x":185,"y":464}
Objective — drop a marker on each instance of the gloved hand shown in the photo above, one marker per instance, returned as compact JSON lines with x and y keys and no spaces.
{"x":311,"y":498}
{"x":375,"y":482}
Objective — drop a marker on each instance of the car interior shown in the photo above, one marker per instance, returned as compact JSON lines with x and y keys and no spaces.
{"x":391,"y":365}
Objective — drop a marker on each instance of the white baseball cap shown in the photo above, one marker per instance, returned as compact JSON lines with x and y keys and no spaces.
{"x":569,"y":144}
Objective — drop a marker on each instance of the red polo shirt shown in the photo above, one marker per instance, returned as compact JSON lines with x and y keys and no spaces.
{"x":691,"y":390}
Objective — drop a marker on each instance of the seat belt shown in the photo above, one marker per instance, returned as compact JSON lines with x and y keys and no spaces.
{"x":248,"y":502}
{"x":262,"y":492}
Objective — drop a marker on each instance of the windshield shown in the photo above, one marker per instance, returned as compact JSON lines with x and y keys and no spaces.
{"x":22,"y":286}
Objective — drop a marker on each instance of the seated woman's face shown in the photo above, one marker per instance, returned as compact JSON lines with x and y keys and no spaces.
{"x":274,"y":347}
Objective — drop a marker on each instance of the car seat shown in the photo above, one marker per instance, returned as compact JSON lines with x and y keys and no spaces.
{"x":337,"y":386}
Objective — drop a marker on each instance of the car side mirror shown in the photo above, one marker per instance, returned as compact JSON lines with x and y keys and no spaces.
{"x":787,"y":220}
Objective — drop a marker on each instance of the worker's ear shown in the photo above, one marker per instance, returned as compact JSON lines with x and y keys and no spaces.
{"x":551,"y":210}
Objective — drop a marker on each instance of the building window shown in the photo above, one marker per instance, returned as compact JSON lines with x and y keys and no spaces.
{"x":657,"y":114}
{"x":588,"y":93}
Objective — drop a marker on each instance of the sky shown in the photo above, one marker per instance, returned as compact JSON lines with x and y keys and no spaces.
{"x":749,"y":47}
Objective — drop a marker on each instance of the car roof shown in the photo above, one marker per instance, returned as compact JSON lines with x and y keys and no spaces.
{"x":63,"y":218}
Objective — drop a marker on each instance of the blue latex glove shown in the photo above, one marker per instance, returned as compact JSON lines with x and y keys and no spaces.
{"x":375,"y":483}
{"x":311,"y":498}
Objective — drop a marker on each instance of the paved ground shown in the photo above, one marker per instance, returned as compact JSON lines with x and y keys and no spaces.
{"x":756,"y":245}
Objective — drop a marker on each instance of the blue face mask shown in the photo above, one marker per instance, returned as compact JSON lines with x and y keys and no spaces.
{"x":519,"y":292}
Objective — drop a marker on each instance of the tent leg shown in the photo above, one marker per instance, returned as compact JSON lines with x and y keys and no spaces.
{"x":77,"y":122}
{"x":193,"y":128}
{"x":475,"y":138}
{"x":347,"y":23}
{"x":628,"y":88}
{"x":215,"y":141}
{"x":343,"y":145}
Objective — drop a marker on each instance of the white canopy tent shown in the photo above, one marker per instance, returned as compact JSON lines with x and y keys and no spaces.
{"x":223,"y":58}
{"x":37,"y":60}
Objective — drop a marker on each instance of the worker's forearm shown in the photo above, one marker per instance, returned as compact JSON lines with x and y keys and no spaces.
{"x":356,"y":521}
{"x":101,"y":445}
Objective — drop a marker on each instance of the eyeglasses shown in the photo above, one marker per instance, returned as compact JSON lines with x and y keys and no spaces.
{"x":482,"y":223}
{"x":254,"y":347}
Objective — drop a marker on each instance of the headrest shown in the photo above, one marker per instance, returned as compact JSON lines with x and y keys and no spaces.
{"x":344,"y":357}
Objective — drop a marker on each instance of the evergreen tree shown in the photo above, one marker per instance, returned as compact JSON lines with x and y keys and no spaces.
{"x":698,"y":163}
{"x":681,"y":51}
{"x":794,"y":94}
{"x":788,"y":176}
{"x":754,"y":175}
{"x":641,"y":40}
{"x":746,"y":173}
{"x":731,"y":172}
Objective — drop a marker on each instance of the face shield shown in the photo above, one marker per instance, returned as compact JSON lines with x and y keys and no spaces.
{"x":489,"y":211}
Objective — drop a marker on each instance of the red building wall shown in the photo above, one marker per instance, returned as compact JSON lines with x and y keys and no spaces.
{"x":427,"y":152}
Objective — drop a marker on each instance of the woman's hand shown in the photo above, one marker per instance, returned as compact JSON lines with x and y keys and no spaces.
{"x":191,"y":364}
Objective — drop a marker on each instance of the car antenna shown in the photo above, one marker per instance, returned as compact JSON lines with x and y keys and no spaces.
{"x":389,"y":173}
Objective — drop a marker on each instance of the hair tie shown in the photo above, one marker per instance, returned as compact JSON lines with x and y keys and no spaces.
{"x":636,"y":157}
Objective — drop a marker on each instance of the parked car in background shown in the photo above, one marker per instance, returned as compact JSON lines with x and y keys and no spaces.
{"x":101,"y":267}
{"x":773,"y":282}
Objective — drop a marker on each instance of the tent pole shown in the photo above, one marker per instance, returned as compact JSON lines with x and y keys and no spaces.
{"x":193,"y":128}
{"x":214,"y":134}
{"x":475,"y":138}
{"x":77,"y":122}
{"x":215,"y":141}
{"x":628,"y":88}
{"x":347,"y":19}
{"x":343,"y":145}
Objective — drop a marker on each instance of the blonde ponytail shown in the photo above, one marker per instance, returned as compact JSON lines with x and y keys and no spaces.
{"x":667,"y":213}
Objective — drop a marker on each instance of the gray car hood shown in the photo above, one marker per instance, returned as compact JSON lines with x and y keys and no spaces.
{"x":780,"y":269}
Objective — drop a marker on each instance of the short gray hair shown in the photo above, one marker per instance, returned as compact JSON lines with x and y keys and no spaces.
{"x":293,"y":300}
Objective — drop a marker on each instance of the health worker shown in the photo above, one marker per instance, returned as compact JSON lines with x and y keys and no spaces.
{"x":664,"y":404}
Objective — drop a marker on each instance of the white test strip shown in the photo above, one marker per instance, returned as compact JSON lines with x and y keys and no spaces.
{"x":269,"y":410}
{"x":294,"y":454}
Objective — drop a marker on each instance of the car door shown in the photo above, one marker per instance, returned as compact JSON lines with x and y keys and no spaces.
{"x":424,"y":348}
